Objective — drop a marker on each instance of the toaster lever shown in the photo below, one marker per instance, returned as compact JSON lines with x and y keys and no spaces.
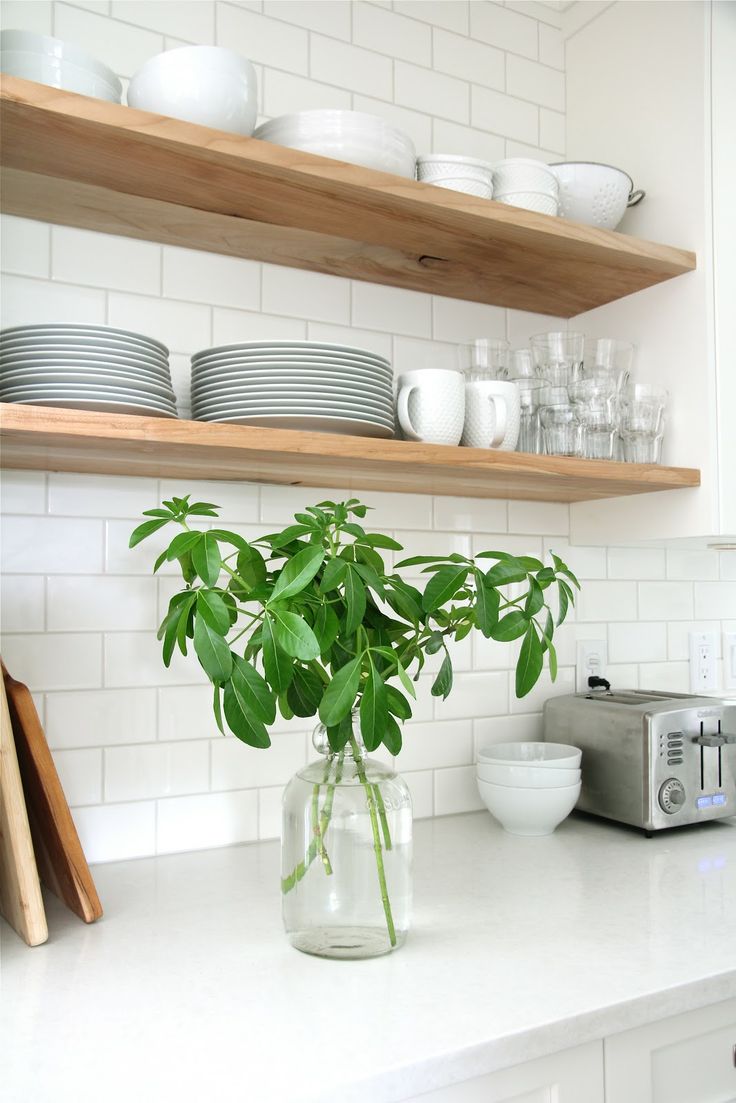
{"x":710,"y":740}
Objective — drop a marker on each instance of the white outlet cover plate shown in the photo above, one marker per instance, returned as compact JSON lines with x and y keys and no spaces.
{"x":703,"y":662}
{"x":592,"y":658}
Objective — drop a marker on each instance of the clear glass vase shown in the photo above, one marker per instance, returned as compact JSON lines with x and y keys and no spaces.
{"x":346,"y":854}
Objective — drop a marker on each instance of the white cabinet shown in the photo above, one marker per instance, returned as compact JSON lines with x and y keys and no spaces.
{"x":685,"y":1059}
{"x":571,"y":1076}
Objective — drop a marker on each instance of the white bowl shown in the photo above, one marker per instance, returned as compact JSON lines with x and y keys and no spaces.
{"x":471,"y":187}
{"x":539,"y":754}
{"x":352,"y":136}
{"x":208,"y":85}
{"x":47,"y":46}
{"x":439,"y":166}
{"x":529,"y":811}
{"x":597,"y":195}
{"x":58,"y":73}
{"x":527,"y":777}
{"x":529,"y":201}
{"x":524,"y":174}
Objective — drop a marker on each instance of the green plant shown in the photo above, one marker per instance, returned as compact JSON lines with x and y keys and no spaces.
{"x":309,"y":621}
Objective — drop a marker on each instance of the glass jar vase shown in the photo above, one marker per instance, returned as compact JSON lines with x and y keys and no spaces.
{"x":346,"y":854}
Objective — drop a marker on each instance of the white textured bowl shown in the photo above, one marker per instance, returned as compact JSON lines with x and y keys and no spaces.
{"x":440,"y":166}
{"x":532,"y":753}
{"x":527,"y":777}
{"x":58,"y":73}
{"x":471,"y":187}
{"x":208,"y":85}
{"x":597,"y":195}
{"x":47,"y":46}
{"x":529,"y":201}
{"x":352,"y":136}
{"x":529,"y":811}
{"x":524,"y":174}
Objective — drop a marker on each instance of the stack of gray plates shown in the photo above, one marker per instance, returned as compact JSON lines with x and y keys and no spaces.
{"x":295,"y":385}
{"x":86,"y":368}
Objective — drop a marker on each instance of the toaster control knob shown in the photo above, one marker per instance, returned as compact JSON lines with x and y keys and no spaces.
{"x":672,"y":796}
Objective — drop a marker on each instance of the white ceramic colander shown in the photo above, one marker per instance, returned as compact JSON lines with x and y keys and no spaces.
{"x":597,"y":195}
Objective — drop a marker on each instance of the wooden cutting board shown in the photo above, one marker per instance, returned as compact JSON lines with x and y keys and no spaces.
{"x":20,"y":892}
{"x":61,"y":861}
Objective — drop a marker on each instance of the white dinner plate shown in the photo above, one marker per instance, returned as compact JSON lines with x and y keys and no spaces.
{"x":297,"y":347}
{"x":288,"y":398}
{"x":263,"y":408}
{"x":79,"y":330}
{"x":318,"y":376}
{"x":122,"y":382}
{"x":83,"y":352}
{"x":89,"y":369}
{"x":365,"y":371}
{"x":308,"y":388}
{"x":100,"y":405}
{"x":354,"y":427}
{"x":22,"y":394}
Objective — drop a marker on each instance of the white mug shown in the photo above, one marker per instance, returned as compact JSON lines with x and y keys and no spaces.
{"x":431,"y":405}
{"x":491,"y":415}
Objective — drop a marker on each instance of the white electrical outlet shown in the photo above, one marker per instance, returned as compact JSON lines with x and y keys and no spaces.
{"x":729,"y":660}
{"x":592,"y":659}
{"x":702,"y":662}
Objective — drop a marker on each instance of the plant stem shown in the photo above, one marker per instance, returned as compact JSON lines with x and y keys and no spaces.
{"x":317,"y":831}
{"x":376,"y":840}
{"x":382,"y":814}
{"x":299,"y":870}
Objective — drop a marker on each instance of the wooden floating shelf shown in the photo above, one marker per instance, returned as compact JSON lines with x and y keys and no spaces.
{"x":100,"y":166}
{"x":49,"y":439}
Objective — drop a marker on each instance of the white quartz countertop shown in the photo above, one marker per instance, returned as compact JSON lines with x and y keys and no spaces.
{"x":188,"y":990}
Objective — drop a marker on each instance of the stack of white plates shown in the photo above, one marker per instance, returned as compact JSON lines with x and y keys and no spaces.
{"x":86,"y":368}
{"x":58,"y":63}
{"x":352,"y":136}
{"x":295,"y":385}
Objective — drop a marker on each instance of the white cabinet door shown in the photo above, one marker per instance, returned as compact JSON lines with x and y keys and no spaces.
{"x":685,"y":1059}
{"x":571,"y":1076}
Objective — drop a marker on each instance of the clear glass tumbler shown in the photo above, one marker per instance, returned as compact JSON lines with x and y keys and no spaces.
{"x":521,"y":364}
{"x":596,"y":401}
{"x":561,"y":430}
{"x":484,"y":358}
{"x":606,"y":356}
{"x":530,"y":438}
{"x":643,"y":408}
{"x":558,"y":357}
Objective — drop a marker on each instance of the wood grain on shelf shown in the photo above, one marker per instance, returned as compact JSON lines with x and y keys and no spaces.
{"x":88,"y":163}
{"x":44,"y":438}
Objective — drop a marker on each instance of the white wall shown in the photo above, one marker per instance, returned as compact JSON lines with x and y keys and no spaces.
{"x":137,"y":749}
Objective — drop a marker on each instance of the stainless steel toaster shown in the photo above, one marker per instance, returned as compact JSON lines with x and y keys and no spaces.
{"x":650,"y":759}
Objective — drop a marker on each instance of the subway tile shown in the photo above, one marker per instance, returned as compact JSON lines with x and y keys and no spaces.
{"x":542,"y":12}
{"x":522,"y":324}
{"x":455,"y":320}
{"x":80,"y":774}
{"x":230,"y":327}
{"x":350,"y":67}
{"x":456,"y":790}
{"x":112,"y":832}
{"x":33,"y":545}
{"x":428,"y":543}
{"x":100,"y":495}
{"x":550,"y":518}
{"x":310,"y":294}
{"x":637,"y":642}
{"x":391,"y":33}
{"x":100,"y":718}
{"x":623,"y":675}
{"x":552,"y":133}
{"x":32,"y":302}
{"x":201,"y":822}
{"x":524,"y":728}
{"x":282,"y":91}
{"x":636,"y":563}
{"x":506,"y":29}
{"x":237,"y":501}
{"x":566,"y":638}
{"x":268,"y":41}
{"x":327,"y":16}
{"x":584,"y":562}
{"x":185,"y":712}
{"x":531,"y":81}
{"x":269,"y":812}
{"x":543,"y":690}
{"x":25,"y":248}
{"x":452,"y":14}
{"x":470,"y":514}
{"x":134,"y":659}
{"x":513,"y":544}
{"x":665,"y":601}
{"x":461,"y":655}
{"x":190,"y":274}
{"x":386,"y":510}
{"x":426,"y":746}
{"x":533,"y":150}
{"x":392,"y":309}
{"x":474,"y":695}
{"x":551,"y":46}
{"x":61,"y":660}
{"x":98,"y":604}
{"x":727,"y":565}
{"x":22,"y":16}
{"x":410,"y":353}
{"x":692,"y":563}
{"x":678,"y":637}
{"x":121,"y":559}
{"x":22,"y":491}
{"x":369,"y":339}
{"x":715,"y":600}
{"x":673,"y":677}
{"x":435,"y":93}
{"x":607,"y":601}
{"x":192,"y":22}
{"x":182,"y":327}
{"x":493,"y":654}
{"x":120,"y":46}
{"x":237,"y":766}
{"x":421,"y":790}
{"x":22,"y":603}
{"x":467,"y":142}
{"x":502,"y":114}
{"x":156,"y":770}
{"x":414,"y":124}
{"x":103,"y":260}
{"x":468,"y":59}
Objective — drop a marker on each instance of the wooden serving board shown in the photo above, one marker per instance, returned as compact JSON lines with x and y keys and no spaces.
{"x":20,"y":892}
{"x":61,"y":861}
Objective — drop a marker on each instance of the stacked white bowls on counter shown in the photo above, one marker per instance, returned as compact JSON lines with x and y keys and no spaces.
{"x":531,"y":787}
{"x":465,"y":174}
{"x":523,"y":182}
{"x":60,"y":64}
{"x":351,"y":136}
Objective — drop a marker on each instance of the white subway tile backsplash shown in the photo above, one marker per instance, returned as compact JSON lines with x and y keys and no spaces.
{"x":463,"y":57}
{"x":231,"y":327}
{"x":513,"y":544}
{"x":61,"y":660}
{"x":414,"y":124}
{"x":392,"y":309}
{"x":268,"y":41}
{"x":502,"y":114}
{"x":391,"y":33}
{"x":715,"y":600}
{"x":504,"y":28}
{"x":369,"y":339}
{"x":119,"y":45}
{"x":552,"y":133}
{"x":134,"y":659}
{"x":539,"y":517}
{"x":22,"y":603}
{"x":193,"y":21}
{"x":209,"y":820}
{"x":326,"y":16}
{"x":80,"y":773}
{"x":607,"y":601}
{"x":237,"y":501}
{"x":543,"y":690}
{"x":144,"y":771}
{"x":190,"y":274}
{"x":678,"y":637}
{"x":308,"y":294}
{"x":411,"y":353}
{"x":22,"y":491}
{"x":101,"y":260}
{"x":283,"y":92}
{"x":674,"y":677}
{"x":100,"y":718}
{"x":456,"y":790}
{"x":237,"y":766}
{"x":475,"y":695}
{"x":75,"y":495}
{"x":31,"y":302}
{"x":727,"y":565}
{"x":182,"y":327}
{"x":637,"y":642}
{"x":269,"y":812}
{"x":78,"y":603}
{"x":35,"y":545}
{"x":692,"y":564}
{"x":427,"y":90}
{"x":113,"y":832}
{"x":24,"y":246}
{"x":421,"y":789}
{"x":467,"y":142}
{"x":459,"y":321}
{"x":551,"y":46}
{"x":665,"y":601}
{"x":21,"y":16}
{"x":426,"y":746}
{"x":185,"y":712}
{"x":350,"y":67}
{"x":636,"y":563}
{"x":452,"y":14}
{"x":470,"y":514}
{"x":526,"y":727}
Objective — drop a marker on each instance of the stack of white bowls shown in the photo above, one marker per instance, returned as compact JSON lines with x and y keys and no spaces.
{"x":61,"y":64}
{"x":466,"y":174}
{"x":529,"y":788}
{"x":523,"y":182}
{"x":351,"y":136}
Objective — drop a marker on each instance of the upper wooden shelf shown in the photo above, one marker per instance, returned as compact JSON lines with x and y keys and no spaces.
{"x":71,"y":440}
{"x":87,"y":163}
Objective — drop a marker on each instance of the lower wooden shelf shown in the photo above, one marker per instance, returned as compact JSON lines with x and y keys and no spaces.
{"x":45,"y":438}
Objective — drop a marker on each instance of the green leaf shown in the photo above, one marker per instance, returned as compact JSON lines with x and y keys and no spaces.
{"x":285,"y":708}
{"x":378,"y":540}
{"x":434,"y":643}
{"x":564,"y":602}
{"x":233,"y":538}
{"x":182,"y":543}
{"x":405,"y":679}
{"x":159,"y":513}
{"x":214,"y":610}
{"x":392,"y":736}
{"x":487,"y":601}
{"x":333,"y":574}
{"x":242,"y":721}
{"x":144,"y":530}
{"x":212,"y":651}
{"x":293,"y":635}
{"x":549,"y":627}
{"x":206,"y":559}
{"x":339,"y":697}
{"x":504,"y":572}
{"x":355,"y":602}
{"x":326,"y":627}
{"x":254,"y":689}
{"x":202,"y":509}
{"x":529,"y":664}
{"x":414,"y":560}
{"x":251,"y":568}
{"x":552,"y":660}
{"x":397,"y":703}
{"x":371,"y":578}
{"x":443,"y":682}
{"x":170,"y":626}
{"x":277,"y":664}
{"x":281,"y":539}
{"x":217,"y":708}
{"x":339,"y":734}
{"x":373,"y":711}
{"x":305,"y":692}
{"x":443,"y":586}
{"x":405,"y":600}
{"x":510,"y":627}
{"x":159,"y":562}
{"x":530,"y":562}
{"x":535,"y":598}
{"x":298,"y":572}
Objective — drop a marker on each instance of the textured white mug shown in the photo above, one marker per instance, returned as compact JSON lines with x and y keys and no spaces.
{"x":431,"y":405}
{"x":491,"y":415}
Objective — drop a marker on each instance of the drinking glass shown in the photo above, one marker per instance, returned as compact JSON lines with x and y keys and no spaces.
{"x":596,"y":401}
{"x":521,"y":364}
{"x":561,"y":430}
{"x":643,"y":407}
{"x":605,"y":356}
{"x":484,"y":358}
{"x":558,"y":357}
{"x":529,"y":425}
